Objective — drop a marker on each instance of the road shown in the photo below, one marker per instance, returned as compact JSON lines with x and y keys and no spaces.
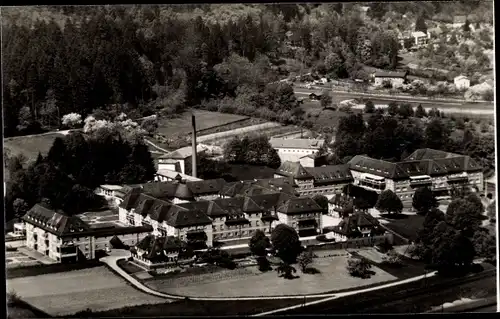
{"x":116,"y":255}
{"x":411,"y":297}
{"x":440,"y":104}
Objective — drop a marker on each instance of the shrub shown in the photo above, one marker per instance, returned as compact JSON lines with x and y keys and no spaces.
{"x":358,"y":267}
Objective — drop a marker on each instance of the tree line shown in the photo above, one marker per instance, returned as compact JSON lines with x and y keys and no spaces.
{"x":65,"y":179}
{"x":394,"y":135}
{"x":146,"y":58}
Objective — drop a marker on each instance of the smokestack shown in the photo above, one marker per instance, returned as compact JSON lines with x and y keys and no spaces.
{"x":193,"y":141}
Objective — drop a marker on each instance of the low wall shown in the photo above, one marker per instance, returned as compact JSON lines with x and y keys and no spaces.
{"x":354,"y":243}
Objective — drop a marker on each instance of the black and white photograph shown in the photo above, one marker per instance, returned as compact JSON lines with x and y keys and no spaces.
{"x":249,"y":159}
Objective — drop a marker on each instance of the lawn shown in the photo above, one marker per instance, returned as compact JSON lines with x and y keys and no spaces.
{"x":69,"y":292}
{"x":29,"y":146}
{"x":324,"y":118}
{"x":332,"y":276}
{"x":181,"y":125}
{"x":201,"y":308}
{"x":406,"y":227}
{"x":408,"y":269}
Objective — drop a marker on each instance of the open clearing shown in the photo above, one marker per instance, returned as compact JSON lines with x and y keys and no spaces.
{"x":69,"y":292}
{"x":204,"y":120}
{"x":30,"y":145}
{"x":333,"y":276}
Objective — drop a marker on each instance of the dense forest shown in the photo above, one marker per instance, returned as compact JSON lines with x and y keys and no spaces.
{"x":141,"y":59}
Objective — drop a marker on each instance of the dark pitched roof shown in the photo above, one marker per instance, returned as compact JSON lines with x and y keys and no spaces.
{"x":390,"y":74}
{"x":235,"y":188}
{"x":376,"y":167}
{"x":350,"y":224}
{"x":299,"y":205}
{"x":232,"y":206}
{"x":422,"y":167}
{"x":211,"y":186}
{"x":181,"y":217}
{"x":183,"y":192}
{"x":54,"y":222}
{"x":293,"y":169}
{"x":267,"y":201}
{"x":215,"y":210}
{"x":130,"y":198}
{"x":330,"y":174}
{"x":250,"y":206}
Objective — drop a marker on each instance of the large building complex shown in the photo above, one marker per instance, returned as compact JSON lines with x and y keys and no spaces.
{"x":69,"y":239}
{"x":438,"y":170}
{"x":219,"y":211}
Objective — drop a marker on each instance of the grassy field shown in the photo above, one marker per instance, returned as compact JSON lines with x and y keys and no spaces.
{"x":332,"y":276}
{"x":181,"y":125}
{"x":324,"y":118}
{"x":30,"y":146}
{"x":201,"y":308}
{"x":408,"y":226}
{"x":69,"y":292}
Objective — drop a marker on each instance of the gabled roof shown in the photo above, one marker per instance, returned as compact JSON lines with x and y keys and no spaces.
{"x":183,"y":192}
{"x":250,"y":206}
{"x":376,"y":167}
{"x":296,"y":143}
{"x":460,"y":77}
{"x":350,"y":224}
{"x":390,"y":74}
{"x":181,"y":153}
{"x":267,"y":201}
{"x":235,"y":188}
{"x":299,"y":205}
{"x":293,"y":169}
{"x":330,"y":174}
{"x":422,"y":167}
{"x":211,"y":186}
{"x":418,"y":34}
{"x":54,"y":222}
{"x":232,"y":206}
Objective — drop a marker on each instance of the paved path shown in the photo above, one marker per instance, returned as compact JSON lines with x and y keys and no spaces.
{"x":111,"y":261}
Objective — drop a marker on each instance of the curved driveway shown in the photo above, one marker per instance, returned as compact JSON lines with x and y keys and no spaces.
{"x":112,"y":260}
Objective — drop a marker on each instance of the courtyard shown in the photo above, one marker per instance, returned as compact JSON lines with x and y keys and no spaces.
{"x":249,"y":281}
{"x":65,"y":293}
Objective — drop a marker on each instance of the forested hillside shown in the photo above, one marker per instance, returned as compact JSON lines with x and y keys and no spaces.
{"x":140,"y":59}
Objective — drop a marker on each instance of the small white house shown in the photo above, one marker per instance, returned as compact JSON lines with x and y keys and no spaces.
{"x":461,"y":82}
{"x":420,"y":38}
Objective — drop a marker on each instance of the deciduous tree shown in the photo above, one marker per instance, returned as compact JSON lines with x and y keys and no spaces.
{"x":389,"y":202}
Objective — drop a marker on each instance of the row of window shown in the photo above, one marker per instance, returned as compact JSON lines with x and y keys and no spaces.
{"x":284,"y":150}
{"x":244,"y":233}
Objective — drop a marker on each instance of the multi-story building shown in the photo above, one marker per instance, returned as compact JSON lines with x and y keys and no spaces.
{"x":395,"y":78}
{"x":420,"y":38}
{"x":243,"y":208}
{"x":461,"y":82}
{"x":357,"y":225}
{"x":441,"y":171}
{"x":154,"y":252}
{"x":438,"y":170}
{"x":291,"y":149}
{"x":69,"y":239}
{"x":325,"y":180}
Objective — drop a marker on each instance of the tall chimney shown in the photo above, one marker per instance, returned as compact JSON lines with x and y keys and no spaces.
{"x":193,"y":141}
